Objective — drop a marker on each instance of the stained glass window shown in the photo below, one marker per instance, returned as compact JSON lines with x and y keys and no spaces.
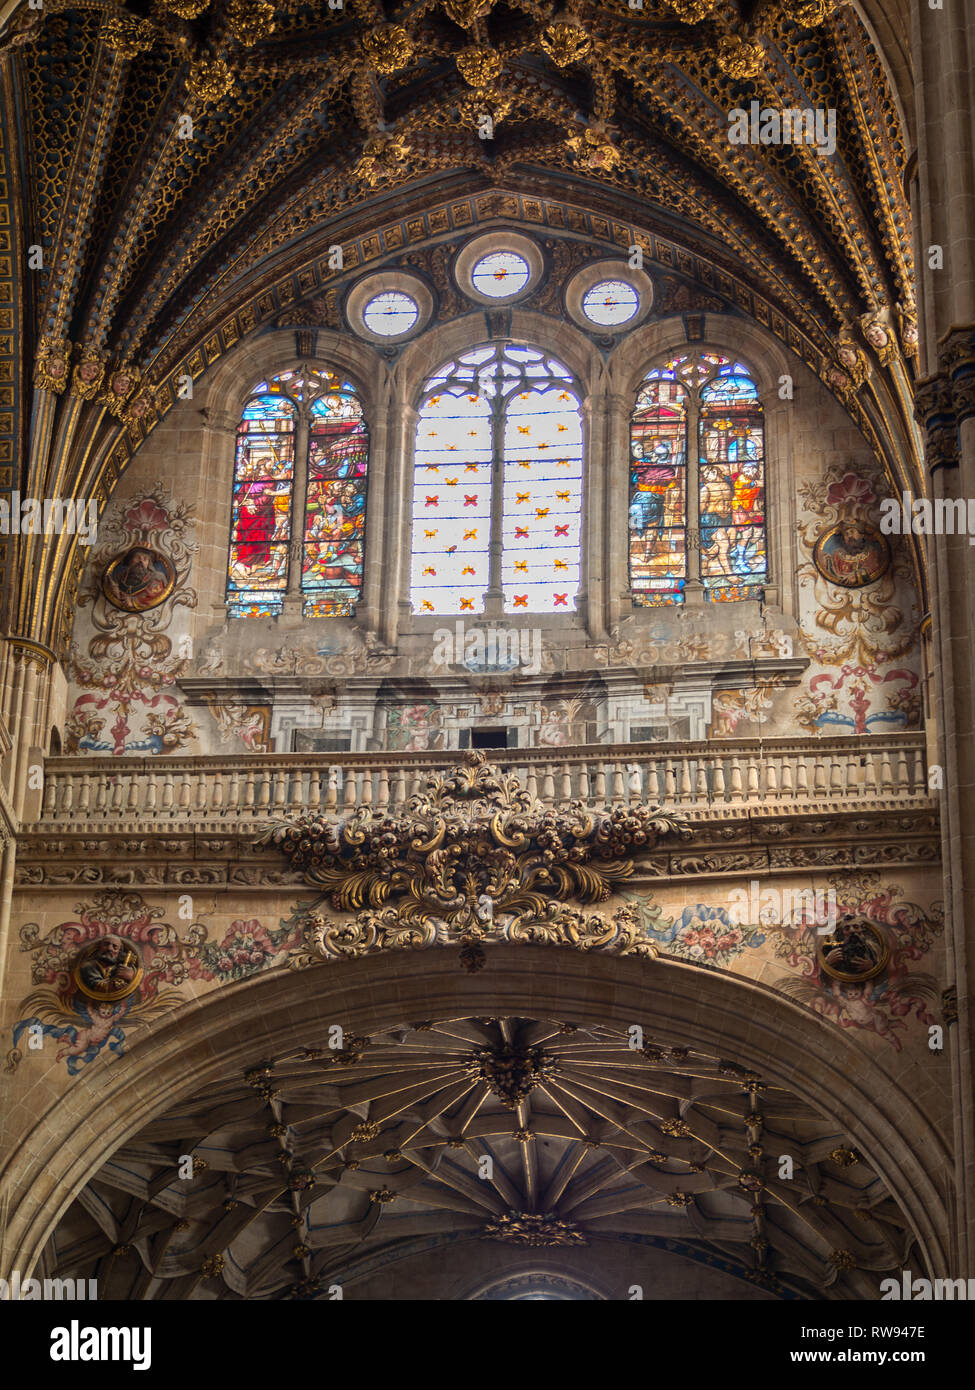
{"x":697,"y":519}
{"x":500,"y":274}
{"x":390,"y":313}
{"x":610,"y":303}
{"x":498,"y":485}
{"x":315,"y":416}
{"x":658,"y":493}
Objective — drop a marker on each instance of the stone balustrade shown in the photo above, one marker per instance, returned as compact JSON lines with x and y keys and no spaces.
{"x":704,"y":780}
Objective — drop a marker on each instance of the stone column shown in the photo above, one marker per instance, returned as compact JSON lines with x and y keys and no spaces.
{"x":616,"y":530}
{"x":943,"y":45}
{"x":397,"y":554}
{"x":594,"y":541}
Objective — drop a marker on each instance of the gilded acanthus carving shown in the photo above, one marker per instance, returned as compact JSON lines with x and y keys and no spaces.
{"x":534,"y":1229}
{"x":473,"y":858}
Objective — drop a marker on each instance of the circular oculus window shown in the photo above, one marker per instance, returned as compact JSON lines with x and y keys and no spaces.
{"x":391,"y":313}
{"x":610,"y":303}
{"x":500,"y":274}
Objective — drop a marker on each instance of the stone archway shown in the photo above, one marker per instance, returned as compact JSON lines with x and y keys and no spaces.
{"x":679,"y":1005}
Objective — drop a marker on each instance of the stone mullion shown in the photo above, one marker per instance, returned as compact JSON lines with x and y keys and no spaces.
{"x":398,"y":501}
{"x":380,"y":470}
{"x":615,"y":414}
{"x":494,"y":594}
{"x":294,"y":598}
{"x":591,"y":538}
{"x":693,"y":589}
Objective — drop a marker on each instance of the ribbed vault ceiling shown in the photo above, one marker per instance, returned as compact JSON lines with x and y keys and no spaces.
{"x":331,"y":1164}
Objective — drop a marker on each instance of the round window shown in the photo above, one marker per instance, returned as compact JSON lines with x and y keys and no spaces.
{"x":610,"y":302}
{"x":500,"y":274}
{"x":390,"y":314}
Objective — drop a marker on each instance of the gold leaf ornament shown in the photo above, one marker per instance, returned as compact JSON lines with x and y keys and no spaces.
{"x":382,"y":157}
{"x":479,"y":67}
{"x":388,"y":48}
{"x":128,"y":36}
{"x":209,"y":81}
{"x":249,"y":21}
{"x":565,"y":43}
{"x":740,"y":58}
{"x":692,"y":11}
{"x":594,"y":149}
{"x":187,"y":9}
{"x":464,"y":12}
{"x":810,"y":13}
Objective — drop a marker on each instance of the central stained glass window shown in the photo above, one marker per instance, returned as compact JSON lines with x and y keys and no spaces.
{"x":298,"y":531}
{"x":498,"y":485}
{"x":500,"y":274}
{"x":697,"y":515}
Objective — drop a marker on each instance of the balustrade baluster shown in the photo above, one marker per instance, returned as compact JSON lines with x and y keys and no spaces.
{"x":718,"y":792}
{"x":736,"y":778}
{"x":653,"y":783}
{"x":754,"y":786}
{"x":802,"y":778}
{"x":548,"y":784}
{"x":600,"y":797}
{"x":351,"y":788}
{"x":838,"y":766}
{"x":168,"y":792}
{"x":886,"y":779}
{"x":771,"y":779}
{"x":617,"y":782}
{"x":585,"y":792}
{"x":788,"y":778}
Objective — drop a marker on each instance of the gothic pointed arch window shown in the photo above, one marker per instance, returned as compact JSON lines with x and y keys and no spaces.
{"x":299,"y":497}
{"x":697,"y":483}
{"x":497,"y":485}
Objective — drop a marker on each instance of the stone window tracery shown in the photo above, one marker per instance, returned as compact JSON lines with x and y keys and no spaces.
{"x":299,"y":497}
{"x":697,"y":514}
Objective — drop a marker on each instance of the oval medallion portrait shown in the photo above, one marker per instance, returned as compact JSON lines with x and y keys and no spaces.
{"x":854,"y":950}
{"x":138,"y":579}
{"x":108,"y":969}
{"x":852,"y":554}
